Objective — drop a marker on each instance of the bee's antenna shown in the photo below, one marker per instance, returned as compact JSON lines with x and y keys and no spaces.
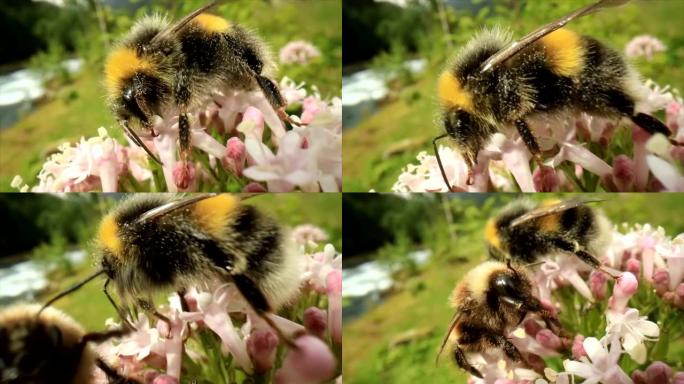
{"x":439,"y":160}
{"x":73,"y":288}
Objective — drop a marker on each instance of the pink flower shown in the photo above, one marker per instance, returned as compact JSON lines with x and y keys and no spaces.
{"x":644,"y":46}
{"x":600,"y":364}
{"x":548,"y":339}
{"x":284,"y":171}
{"x":91,"y":164}
{"x":334,"y":289}
{"x":661,"y":280}
{"x":623,"y":172}
{"x":235,"y":155}
{"x":598,"y":283}
{"x":213,"y":311}
{"x":309,"y":235}
{"x":292,"y":92}
{"x":298,"y":52}
{"x":315,"y":322}
{"x":184,"y":175}
{"x":311,"y":363}
{"x":625,"y":287}
{"x":632,"y":330}
{"x":546,"y":180}
{"x":252,"y":124}
{"x":578,"y":347}
{"x":262,"y":345}
{"x":666,"y":173}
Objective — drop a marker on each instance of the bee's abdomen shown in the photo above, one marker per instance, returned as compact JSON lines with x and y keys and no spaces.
{"x":260,"y":241}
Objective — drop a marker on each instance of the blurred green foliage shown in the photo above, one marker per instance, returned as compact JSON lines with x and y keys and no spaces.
{"x":418,"y":303}
{"x":408,"y":116}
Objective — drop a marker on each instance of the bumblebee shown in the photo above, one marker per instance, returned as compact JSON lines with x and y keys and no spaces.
{"x":495,"y":82}
{"x":160,"y":69}
{"x":524,"y":231}
{"x":49,"y":348}
{"x":490,"y":301}
{"x":154,"y":242}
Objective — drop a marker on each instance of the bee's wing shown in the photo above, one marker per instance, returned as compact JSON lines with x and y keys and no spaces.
{"x":454,"y":321}
{"x":178,"y":25}
{"x":182,"y":203}
{"x":513,"y":48}
{"x":552,"y":210}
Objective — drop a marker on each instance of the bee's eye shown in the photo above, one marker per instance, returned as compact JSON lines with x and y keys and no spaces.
{"x":504,"y":285}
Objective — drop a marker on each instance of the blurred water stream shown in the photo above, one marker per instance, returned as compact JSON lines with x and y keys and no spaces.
{"x":365,"y":283}
{"x":25,"y":279}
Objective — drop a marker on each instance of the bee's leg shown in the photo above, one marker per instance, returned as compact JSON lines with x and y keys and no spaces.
{"x":98,"y":337}
{"x":652,"y":125}
{"x":259,"y":304}
{"x":148,"y":306}
{"x":119,"y":311}
{"x":502,"y":342}
{"x":112,"y":375}
{"x":625,"y":105}
{"x":529,"y":140}
{"x":462,"y":362}
{"x":274,"y":97}
{"x":585,"y":256}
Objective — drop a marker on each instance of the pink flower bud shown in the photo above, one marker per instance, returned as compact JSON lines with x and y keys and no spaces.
{"x":532,"y":327}
{"x":548,"y":339}
{"x":535,"y":362}
{"x":678,"y":378}
{"x":235,"y":155}
{"x":310,"y":108}
{"x":625,"y":287}
{"x":639,"y":377}
{"x":262,"y":345}
{"x":578,"y":347}
{"x":677,"y":153}
{"x":165,"y":379}
{"x":598,"y":284}
{"x":312,"y":362}
{"x":679,"y":296}
{"x":546,"y":304}
{"x":315,"y":321}
{"x":254,"y":187}
{"x":634,"y":266}
{"x":661,"y":280}
{"x":623,"y":172}
{"x":334,"y":288}
{"x":546,"y":180}
{"x":658,"y":372}
{"x":183,"y":174}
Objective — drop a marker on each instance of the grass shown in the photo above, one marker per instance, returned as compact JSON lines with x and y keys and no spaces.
{"x":419,"y":303}
{"x":78,"y":109}
{"x":405,"y":122}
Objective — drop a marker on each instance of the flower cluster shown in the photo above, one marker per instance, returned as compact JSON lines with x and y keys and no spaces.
{"x":609,"y":331}
{"x":231,"y":150}
{"x":644,"y":46}
{"x":218,"y":337}
{"x":580,"y":144}
{"x":298,"y":52}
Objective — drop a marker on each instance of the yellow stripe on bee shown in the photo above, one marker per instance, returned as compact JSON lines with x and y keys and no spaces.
{"x":212,"y":213}
{"x":108,"y":235}
{"x":565,"y":52}
{"x":212,"y":23}
{"x":492,"y":234}
{"x":550,"y":223}
{"x":451,"y":93}
{"x":479,"y":277}
{"x":121,"y":64}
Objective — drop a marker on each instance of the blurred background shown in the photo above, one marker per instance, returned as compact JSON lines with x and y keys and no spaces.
{"x":404,"y":254}
{"x":53,"y":52}
{"x":394,"y":51}
{"x":47,"y":243}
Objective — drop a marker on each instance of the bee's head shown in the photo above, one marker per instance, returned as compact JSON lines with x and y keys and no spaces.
{"x":470,"y":132}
